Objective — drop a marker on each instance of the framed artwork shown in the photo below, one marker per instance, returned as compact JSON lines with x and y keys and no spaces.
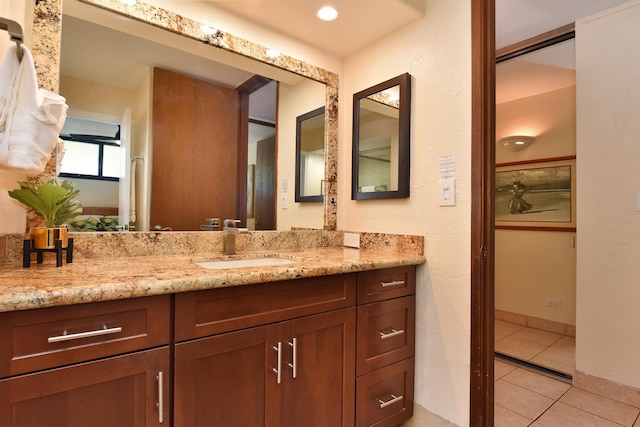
{"x":536,"y":195}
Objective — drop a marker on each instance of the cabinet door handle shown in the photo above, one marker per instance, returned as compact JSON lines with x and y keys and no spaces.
{"x":392,"y":283}
{"x":278,"y":369}
{"x":393,"y":400}
{"x":79,"y":335}
{"x":394,"y":332}
{"x":160,"y":404}
{"x":294,"y":356}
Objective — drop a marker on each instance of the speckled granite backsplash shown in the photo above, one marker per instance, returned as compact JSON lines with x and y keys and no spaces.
{"x":115,"y":245}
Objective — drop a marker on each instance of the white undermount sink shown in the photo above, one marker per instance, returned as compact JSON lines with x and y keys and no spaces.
{"x":239,"y":263}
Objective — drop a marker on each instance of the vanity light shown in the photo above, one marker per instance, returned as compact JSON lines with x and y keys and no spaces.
{"x":516,"y":142}
{"x":205,"y":28}
{"x":273,"y":53}
{"x":327,"y":13}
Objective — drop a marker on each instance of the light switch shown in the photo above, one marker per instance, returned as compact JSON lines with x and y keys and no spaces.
{"x":447,"y":190}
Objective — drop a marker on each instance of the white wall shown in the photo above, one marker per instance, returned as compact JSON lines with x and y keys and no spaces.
{"x":608,"y":118}
{"x":294,"y":101}
{"x":439,"y":60}
{"x":533,"y":266}
{"x":12,"y":213}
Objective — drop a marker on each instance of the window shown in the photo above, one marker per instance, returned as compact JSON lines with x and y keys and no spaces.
{"x":91,"y":149}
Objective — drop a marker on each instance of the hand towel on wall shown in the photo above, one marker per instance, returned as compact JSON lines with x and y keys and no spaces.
{"x":30,"y":118}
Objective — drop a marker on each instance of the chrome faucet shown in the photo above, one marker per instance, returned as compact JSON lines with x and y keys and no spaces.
{"x":229,"y":233}
{"x":212,"y":224}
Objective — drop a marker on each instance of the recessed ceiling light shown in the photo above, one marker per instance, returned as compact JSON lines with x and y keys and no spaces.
{"x":327,"y":13}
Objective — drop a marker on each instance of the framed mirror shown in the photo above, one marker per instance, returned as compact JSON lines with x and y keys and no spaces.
{"x":174,"y":37}
{"x":381,"y":140}
{"x":310,"y":156}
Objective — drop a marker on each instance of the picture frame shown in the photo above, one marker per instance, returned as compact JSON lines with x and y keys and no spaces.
{"x":536,"y":195}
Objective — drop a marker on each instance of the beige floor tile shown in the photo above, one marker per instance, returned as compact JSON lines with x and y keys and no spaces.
{"x":541,"y":384}
{"x":501,"y":369}
{"x":538,"y":336}
{"x":563,"y":361}
{"x":520,"y":400}
{"x":566,"y":344}
{"x":423,"y":418}
{"x":601,"y":406}
{"x":562,"y":415}
{"x":504,"y":329}
{"x":519,"y":347}
{"x":504,"y":417}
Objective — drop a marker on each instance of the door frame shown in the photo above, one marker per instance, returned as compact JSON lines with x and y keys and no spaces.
{"x":483,"y":111}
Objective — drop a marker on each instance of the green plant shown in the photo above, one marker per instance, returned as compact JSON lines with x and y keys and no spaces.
{"x":53,"y":200}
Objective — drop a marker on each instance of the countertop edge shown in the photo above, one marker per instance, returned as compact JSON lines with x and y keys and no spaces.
{"x":50,"y":288}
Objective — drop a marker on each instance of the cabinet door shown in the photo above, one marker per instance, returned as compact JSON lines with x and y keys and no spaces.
{"x":322,"y":391}
{"x":228,"y":380}
{"x":123,"y":391}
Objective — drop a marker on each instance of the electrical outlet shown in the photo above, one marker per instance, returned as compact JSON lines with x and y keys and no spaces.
{"x":352,"y":240}
{"x":553,"y":303}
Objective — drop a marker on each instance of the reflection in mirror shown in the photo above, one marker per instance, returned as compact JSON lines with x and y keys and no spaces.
{"x":310,"y":156}
{"x":100,"y":77}
{"x":381,"y":121}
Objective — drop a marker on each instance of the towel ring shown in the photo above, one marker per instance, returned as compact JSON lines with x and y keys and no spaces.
{"x":15,"y":32}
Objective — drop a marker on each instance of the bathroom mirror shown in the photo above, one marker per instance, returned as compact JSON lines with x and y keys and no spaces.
{"x":237,"y":68}
{"x":381,"y":140}
{"x":310,"y":156}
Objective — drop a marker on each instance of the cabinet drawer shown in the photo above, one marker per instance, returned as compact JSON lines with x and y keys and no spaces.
{"x":49,"y":337}
{"x":378,"y":285}
{"x":386,"y":333}
{"x":385,"y":397}
{"x":204,"y":313}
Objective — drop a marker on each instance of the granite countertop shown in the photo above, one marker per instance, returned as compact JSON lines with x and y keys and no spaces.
{"x":91,"y":280}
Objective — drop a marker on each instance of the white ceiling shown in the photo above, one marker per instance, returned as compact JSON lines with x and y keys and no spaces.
{"x":363,"y":22}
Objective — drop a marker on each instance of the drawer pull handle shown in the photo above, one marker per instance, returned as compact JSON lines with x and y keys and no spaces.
{"x":393,"y":400}
{"x":393,"y":333}
{"x":392,"y":283}
{"x":79,"y":335}
{"x":160,"y":405}
{"x":278,"y":370}
{"x":294,"y":356}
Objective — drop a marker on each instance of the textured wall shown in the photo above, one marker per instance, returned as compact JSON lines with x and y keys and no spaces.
{"x":608,"y":111}
{"x":439,"y":61}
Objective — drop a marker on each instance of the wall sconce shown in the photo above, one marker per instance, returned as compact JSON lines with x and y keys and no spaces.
{"x":516,"y":142}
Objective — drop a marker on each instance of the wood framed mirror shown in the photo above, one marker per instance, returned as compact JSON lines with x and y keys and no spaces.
{"x":381,"y":140}
{"x":310,"y":153}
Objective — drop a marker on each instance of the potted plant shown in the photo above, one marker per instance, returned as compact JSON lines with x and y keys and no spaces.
{"x":53,"y":200}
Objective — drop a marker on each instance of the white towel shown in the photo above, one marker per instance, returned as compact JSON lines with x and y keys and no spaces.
{"x":30,"y":118}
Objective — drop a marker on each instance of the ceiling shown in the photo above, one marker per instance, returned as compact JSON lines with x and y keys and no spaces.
{"x":363,"y":22}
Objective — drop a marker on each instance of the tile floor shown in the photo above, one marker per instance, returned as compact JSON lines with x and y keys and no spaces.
{"x":526,"y":398}
{"x":543,"y":348}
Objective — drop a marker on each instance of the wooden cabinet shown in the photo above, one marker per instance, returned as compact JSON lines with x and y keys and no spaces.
{"x":287,"y":372}
{"x":121,"y":391}
{"x":386,"y":347}
{"x":87,"y":365}
{"x":331,"y":351}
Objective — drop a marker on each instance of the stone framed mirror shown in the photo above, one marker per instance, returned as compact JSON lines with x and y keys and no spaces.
{"x":47,"y":33}
{"x":381,"y":140}
{"x":310,"y":156}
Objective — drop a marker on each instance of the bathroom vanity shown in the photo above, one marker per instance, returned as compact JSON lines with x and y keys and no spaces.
{"x":196,"y":347}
